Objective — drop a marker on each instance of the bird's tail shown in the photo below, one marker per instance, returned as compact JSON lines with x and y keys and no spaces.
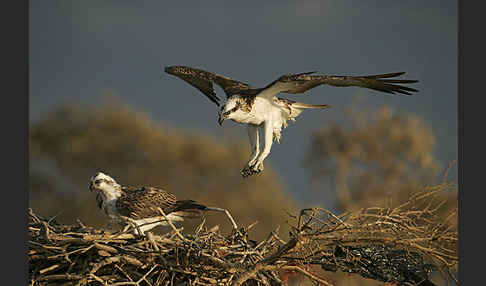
{"x":298,"y":107}
{"x":189,"y":209}
{"x":301,"y":105}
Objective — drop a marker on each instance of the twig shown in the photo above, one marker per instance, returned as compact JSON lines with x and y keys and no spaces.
{"x":307,"y":273}
{"x":235,"y":226}
{"x":150,"y":237}
{"x":172,"y":225}
{"x":414,"y":229}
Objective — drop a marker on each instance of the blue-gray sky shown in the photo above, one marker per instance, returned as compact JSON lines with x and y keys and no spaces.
{"x":80,"y":50}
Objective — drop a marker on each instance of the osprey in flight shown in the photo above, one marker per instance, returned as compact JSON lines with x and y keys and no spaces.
{"x":139,"y":206}
{"x":260,"y":108}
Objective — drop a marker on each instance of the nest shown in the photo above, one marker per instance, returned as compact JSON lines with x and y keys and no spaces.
{"x":401,"y":245}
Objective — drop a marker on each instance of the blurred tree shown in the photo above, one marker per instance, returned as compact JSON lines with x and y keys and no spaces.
{"x":378,"y":158}
{"x":73,"y":143}
{"x":374,"y":160}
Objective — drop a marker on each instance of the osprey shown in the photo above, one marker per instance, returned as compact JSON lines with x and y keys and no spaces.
{"x":139,"y":206}
{"x":259,"y":108}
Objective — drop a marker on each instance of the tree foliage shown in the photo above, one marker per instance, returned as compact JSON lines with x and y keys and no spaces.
{"x":376,"y":160}
{"x":72,"y":144}
{"x":379,"y":159}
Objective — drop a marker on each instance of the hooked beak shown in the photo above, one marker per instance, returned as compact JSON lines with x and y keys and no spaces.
{"x":221,"y":118}
{"x":92,"y":187}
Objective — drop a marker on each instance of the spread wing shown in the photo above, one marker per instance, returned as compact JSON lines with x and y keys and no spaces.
{"x":203,"y":81}
{"x":299,"y":83}
{"x":143,"y":202}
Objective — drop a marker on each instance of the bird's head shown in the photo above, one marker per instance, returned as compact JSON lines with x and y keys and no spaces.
{"x":105,"y":184}
{"x":229,"y":110}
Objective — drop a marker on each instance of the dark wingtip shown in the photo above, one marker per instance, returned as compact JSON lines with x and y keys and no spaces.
{"x":399,"y":80}
{"x":213,"y":98}
{"x":168,"y":69}
{"x":385,"y":75}
{"x":172,"y":69}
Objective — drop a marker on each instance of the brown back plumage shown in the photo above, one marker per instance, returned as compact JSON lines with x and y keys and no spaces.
{"x":143,"y":202}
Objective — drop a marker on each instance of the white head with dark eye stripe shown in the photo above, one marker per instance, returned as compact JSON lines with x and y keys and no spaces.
{"x":105,"y":185}
{"x":229,"y":109}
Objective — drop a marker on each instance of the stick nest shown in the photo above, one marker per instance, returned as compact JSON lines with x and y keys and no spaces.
{"x":402,"y":245}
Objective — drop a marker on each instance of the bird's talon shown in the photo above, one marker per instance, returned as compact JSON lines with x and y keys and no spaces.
{"x":251,"y":169}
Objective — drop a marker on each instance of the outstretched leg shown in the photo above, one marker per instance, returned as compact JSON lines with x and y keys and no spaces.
{"x":255,"y":148}
{"x":257,"y":167}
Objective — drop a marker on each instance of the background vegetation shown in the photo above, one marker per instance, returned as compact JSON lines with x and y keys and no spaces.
{"x":72,"y":144}
{"x":377,"y":160}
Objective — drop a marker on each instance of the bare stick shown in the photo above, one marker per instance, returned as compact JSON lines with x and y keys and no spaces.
{"x":307,"y":273}
{"x":50,"y":268}
{"x":235,"y":226}
{"x":146,"y":274}
{"x":261,"y":267}
{"x":249,"y":274}
{"x":133,"y":223}
{"x":150,"y":237}
{"x":171,"y":225}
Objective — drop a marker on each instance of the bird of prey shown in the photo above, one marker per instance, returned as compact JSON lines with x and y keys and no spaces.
{"x":139,"y":206}
{"x":260,"y":108}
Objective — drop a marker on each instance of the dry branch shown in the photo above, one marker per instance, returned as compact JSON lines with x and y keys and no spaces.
{"x":400,"y":245}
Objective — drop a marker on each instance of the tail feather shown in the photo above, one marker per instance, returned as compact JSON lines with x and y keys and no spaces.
{"x":189,"y":205}
{"x":302,"y":105}
{"x":191,"y":213}
{"x":188,"y":209}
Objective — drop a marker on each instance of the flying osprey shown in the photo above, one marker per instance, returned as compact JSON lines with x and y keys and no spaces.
{"x":139,"y":206}
{"x":260,"y":108}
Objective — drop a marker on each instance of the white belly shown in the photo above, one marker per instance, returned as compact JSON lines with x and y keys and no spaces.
{"x":248,"y":118}
{"x":262,"y":110}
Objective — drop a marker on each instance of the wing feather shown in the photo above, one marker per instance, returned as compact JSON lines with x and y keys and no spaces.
{"x":203,"y":81}
{"x":143,"y":202}
{"x":299,"y":83}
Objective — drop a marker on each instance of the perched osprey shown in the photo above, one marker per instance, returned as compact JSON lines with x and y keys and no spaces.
{"x":139,"y":206}
{"x":260,"y":108}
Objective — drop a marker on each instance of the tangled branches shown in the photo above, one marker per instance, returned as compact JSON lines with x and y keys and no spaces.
{"x":400,"y":245}
{"x":385,"y":244}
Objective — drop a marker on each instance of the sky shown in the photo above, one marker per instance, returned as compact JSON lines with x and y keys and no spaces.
{"x":80,"y":51}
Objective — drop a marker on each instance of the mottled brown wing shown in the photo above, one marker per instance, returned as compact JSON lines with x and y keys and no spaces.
{"x":203,"y":81}
{"x":143,"y":202}
{"x":299,"y":83}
